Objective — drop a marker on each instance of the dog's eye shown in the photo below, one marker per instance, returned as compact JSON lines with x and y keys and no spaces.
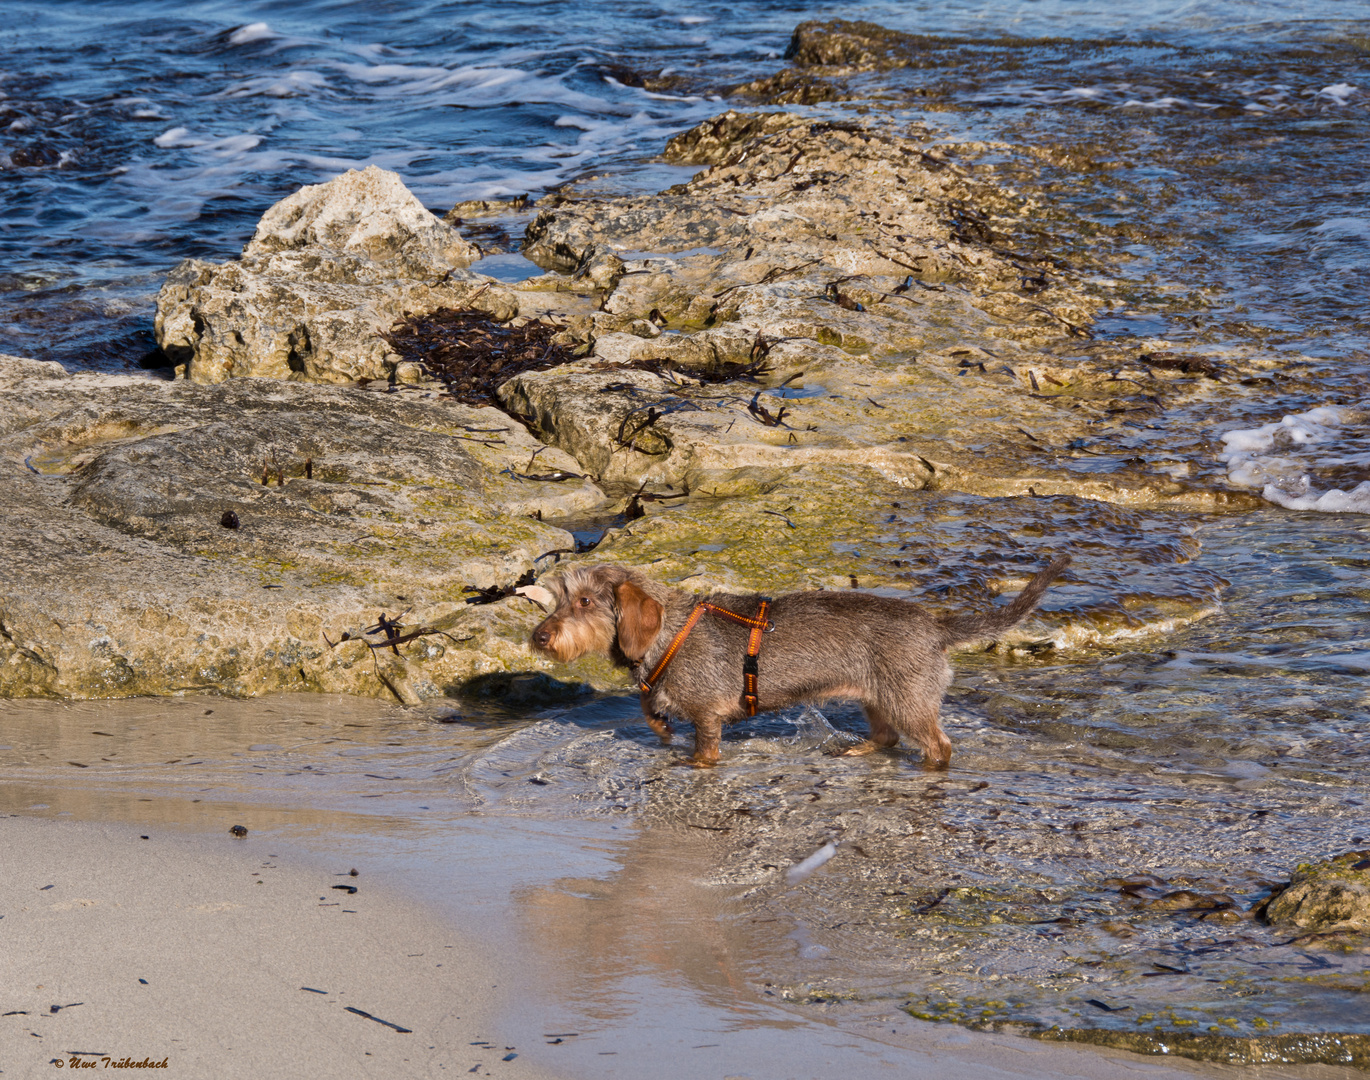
{"x":584,"y":601}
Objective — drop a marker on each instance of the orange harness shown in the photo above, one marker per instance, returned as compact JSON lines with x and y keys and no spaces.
{"x":759,"y":625}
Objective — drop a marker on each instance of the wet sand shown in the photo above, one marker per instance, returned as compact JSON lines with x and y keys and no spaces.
{"x":599,"y":976}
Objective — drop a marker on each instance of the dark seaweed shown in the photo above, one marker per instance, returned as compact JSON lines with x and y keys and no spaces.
{"x":473,"y":353}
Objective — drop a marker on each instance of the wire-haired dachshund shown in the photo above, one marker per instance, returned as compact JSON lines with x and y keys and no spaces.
{"x":715,"y":659}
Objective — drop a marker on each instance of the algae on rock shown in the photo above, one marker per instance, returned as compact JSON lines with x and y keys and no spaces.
{"x":124,"y":577}
{"x":1326,"y":897}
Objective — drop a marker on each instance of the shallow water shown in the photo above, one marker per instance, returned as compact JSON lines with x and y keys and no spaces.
{"x":1202,"y":166}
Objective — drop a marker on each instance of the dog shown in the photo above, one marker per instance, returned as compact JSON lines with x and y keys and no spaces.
{"x":690,"y":656}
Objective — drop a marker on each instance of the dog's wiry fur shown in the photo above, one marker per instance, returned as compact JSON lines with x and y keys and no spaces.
{"x":888,"y":654}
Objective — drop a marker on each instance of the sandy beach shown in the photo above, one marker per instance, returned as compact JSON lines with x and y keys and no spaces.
{"x":221,"y":963}
{"x":120,"y":948}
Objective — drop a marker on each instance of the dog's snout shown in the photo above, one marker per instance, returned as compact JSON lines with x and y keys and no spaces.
{"x":542,"y":637}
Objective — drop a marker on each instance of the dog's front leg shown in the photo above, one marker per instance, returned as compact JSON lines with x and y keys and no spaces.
{"x":708,"y":733}
{"x":661,"y":726}
{"x":658,"y":722}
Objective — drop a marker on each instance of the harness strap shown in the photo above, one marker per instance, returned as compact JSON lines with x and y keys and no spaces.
{"x":650,"y":681}
{"x":759,"y":625}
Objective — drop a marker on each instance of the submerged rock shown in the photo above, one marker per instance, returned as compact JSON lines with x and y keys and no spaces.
{"x":856,"y":46}
{"x":328,"y":270}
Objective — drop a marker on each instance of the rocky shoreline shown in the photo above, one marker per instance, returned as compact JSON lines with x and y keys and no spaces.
{"x":823,"y":320}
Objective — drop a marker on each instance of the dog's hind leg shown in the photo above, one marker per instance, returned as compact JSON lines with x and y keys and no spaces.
{"x":918,"y":721}
{"x":883,"y":734}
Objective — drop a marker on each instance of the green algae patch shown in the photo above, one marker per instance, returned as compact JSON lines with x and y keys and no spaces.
{"x":1319,"y":1049}
{"x":1163,"y":1034}
{"x":973,"y":1012}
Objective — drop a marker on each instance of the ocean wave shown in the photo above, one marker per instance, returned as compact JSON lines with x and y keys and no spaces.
{"x":258,"y":31}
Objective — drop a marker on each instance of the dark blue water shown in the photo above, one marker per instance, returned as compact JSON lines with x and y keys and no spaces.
{"x":135,"y":134}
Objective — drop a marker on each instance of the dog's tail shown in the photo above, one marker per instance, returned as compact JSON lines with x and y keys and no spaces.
{"x":958,"y":628}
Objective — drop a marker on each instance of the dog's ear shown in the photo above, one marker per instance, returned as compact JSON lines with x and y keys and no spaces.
{"x":639,"y":620}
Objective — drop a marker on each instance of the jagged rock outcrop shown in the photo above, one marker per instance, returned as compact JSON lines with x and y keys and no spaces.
{"x":328,"y":269}
{"x":878,"y":307}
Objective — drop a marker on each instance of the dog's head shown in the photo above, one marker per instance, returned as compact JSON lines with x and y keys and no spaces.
{"x":595,"y":609}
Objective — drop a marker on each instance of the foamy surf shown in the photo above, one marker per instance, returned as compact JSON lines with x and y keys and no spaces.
{"x":1284,"y":459}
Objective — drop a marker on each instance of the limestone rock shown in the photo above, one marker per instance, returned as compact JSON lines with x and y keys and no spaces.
{"x":17,"y":369}
{"x":788,"y":208}
{"x":369,"y":215}
{"x":147,"y":556}
{"x":1327,"y":896}
{"x":329,"y":269}
{"x":794,"y":251}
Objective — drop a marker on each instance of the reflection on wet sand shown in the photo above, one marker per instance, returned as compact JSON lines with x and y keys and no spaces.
{"x":655,"y":916}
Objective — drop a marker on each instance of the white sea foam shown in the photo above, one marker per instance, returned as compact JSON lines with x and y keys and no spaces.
{"x":177,"y":136}
{"x":473,"y":86}
{"x":1336,"y":501}
{"x":1170,"y":103}
{"x":1284,"y":458}
{"x":233,"y":145}
{"x":1349,"y":227}
{"x":300,"y":83}
{"x":1339,"y":94}
{"x":1256,"y":95}
{"x":228,"y":146}
{"x":257,"y":31}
